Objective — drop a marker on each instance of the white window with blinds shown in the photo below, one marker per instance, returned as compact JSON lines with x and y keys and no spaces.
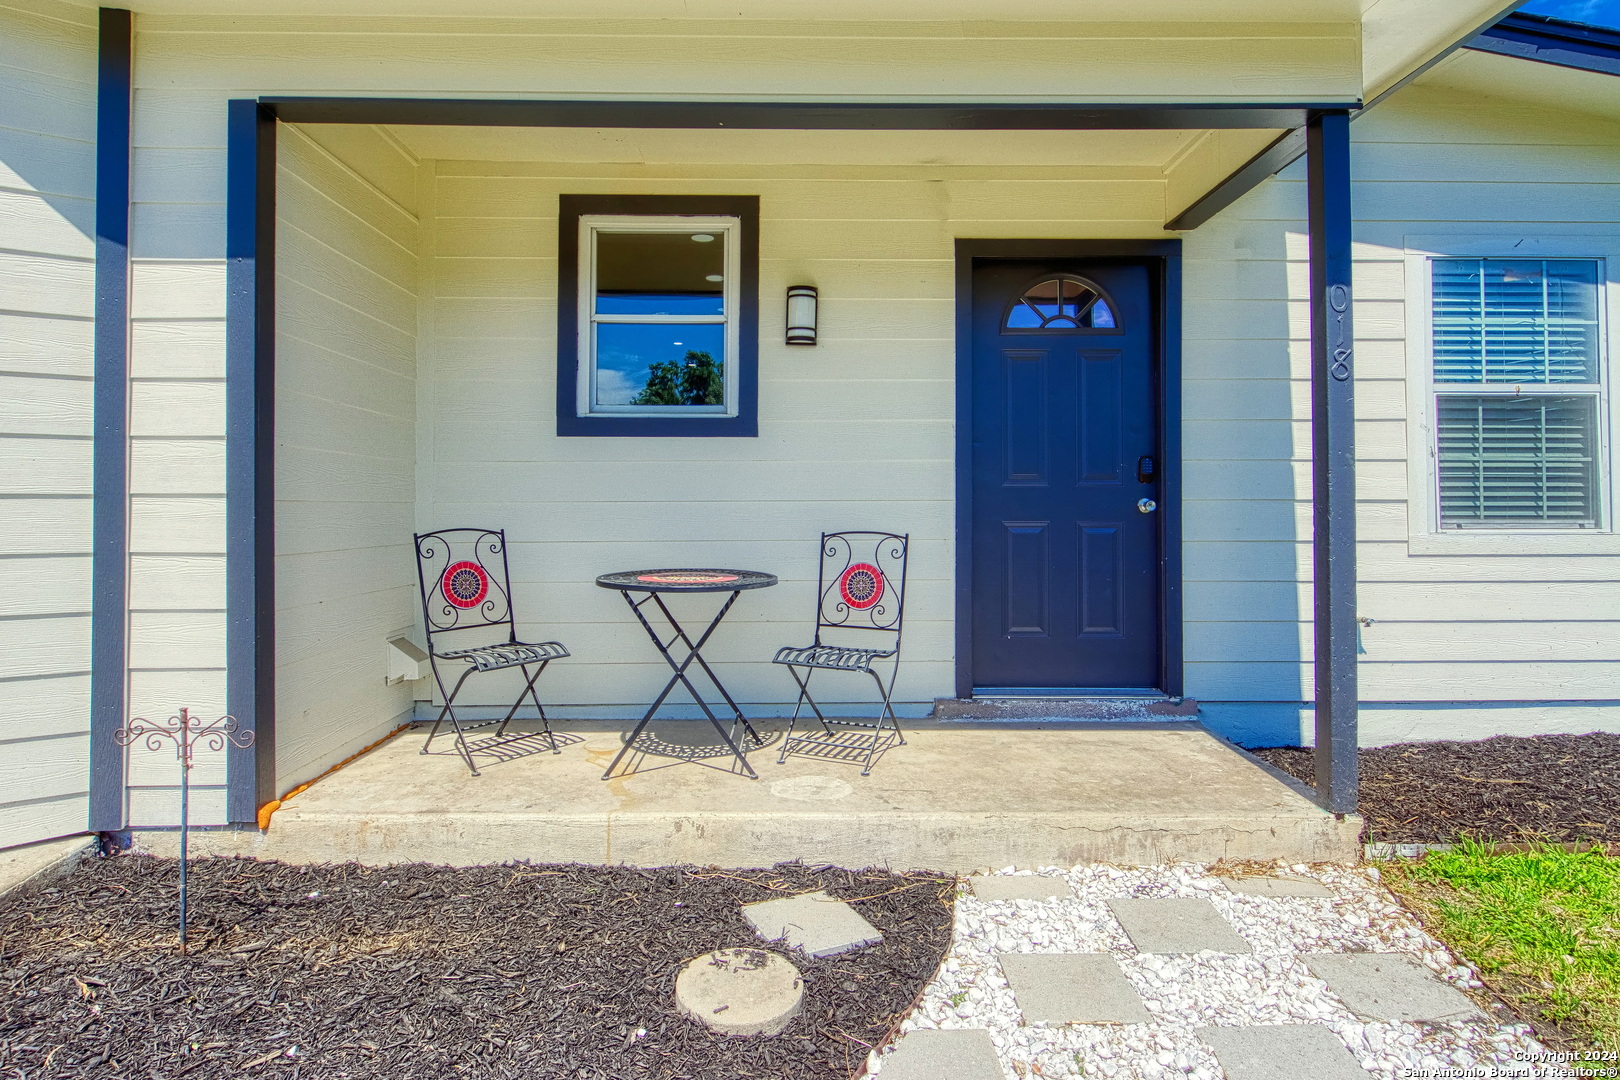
{"x":1518,"y":398}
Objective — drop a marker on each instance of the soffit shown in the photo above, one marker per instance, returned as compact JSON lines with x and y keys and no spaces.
{"x":1151,"y":150}
{"x":1398,"y":37}
{"x":1548,"y":85}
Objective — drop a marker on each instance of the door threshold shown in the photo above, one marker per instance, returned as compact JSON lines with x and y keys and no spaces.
{"x":1092,"y":706}
{"x":1026,"y":693}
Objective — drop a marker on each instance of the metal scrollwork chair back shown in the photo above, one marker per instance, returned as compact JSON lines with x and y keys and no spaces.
{"x":861,"y":586}
{"x":465,"y":585}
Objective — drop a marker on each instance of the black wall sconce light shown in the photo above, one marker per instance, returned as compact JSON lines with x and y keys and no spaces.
{"x":801,"y":314}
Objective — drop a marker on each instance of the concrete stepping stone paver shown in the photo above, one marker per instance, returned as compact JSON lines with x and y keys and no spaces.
{"x":814,"y":923}
{"x":944,"y":1055}
{"x":740,"y":991}
{"x":1177,"y":926}
{"x":1391,"y":986}
{"x":1277,"y":886}
{"x":1072,"y":988}
{"x":1009,"y":887}
{"x":1282,"y":1052}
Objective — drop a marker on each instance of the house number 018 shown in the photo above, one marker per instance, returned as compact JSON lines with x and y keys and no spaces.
{"x":1339,"y":301}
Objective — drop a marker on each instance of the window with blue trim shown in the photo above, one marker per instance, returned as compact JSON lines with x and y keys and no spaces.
{"x":663,"y":338}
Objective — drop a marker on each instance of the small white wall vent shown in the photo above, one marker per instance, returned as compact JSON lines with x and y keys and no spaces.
{"x":407,"y":662}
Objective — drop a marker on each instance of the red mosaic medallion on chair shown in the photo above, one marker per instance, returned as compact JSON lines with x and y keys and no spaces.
{"x":465,"y":584}
{"x":861,"y":586}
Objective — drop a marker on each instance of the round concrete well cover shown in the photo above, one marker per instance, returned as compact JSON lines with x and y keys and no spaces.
{"x":740,"y":991}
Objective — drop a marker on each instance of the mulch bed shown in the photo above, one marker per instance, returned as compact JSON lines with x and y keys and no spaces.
{"x":1558,"y":788}
{"x":406,"y":972}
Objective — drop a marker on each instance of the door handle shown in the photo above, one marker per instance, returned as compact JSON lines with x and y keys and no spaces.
{"x":1147,"y":506}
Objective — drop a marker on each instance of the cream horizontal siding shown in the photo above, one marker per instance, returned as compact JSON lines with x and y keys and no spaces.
{"x":177,"y":443}
{"x":345,"y":448}
{"x":1507,"y":626}
{"x":776,"y":59}
{"x":47,"y":295}
{"x":855,"y":433}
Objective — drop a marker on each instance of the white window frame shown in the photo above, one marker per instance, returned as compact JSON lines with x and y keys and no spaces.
{"x":1425,"y":535}
{"x":729,"y":233}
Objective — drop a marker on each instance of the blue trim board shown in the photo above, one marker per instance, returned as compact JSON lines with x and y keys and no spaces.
{"x":570,"y":208}
{"x":1167,"y":296}
{"x":250,"y":639}
{"x":110,"y":514}
{"x":798,"y":115}
{"x":1547,"y":40}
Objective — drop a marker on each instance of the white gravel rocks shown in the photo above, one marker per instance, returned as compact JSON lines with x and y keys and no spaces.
{"x":1271,"y":985}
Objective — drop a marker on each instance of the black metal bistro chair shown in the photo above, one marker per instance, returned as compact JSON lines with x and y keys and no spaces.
{"x":466,"y":587}
{"x":861,"y":588}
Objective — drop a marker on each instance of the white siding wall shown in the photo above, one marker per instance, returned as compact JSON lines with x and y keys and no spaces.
{"x":345,"y":439}
{"x":177,"y":437}
{"x":1463,"y":626}
{"x":856,"y":433}
{"x":47,"y":294}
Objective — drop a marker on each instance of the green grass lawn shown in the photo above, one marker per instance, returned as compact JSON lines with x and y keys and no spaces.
{"x":1542,"y":926}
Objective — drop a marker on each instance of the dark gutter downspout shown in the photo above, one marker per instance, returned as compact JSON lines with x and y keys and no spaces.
{"x":109,"y":590}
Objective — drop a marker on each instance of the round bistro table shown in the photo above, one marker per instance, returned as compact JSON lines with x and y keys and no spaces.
{"x":653,"y":583}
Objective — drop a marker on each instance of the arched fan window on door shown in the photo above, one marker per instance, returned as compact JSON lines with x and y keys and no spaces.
{"x":1061,"y":303}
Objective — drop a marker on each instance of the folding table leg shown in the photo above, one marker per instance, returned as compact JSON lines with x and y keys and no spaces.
{"x":680,"y":677}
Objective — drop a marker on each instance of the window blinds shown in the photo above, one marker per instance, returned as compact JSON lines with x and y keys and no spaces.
{"x":1518,"y":321}
{"x":1523,"y":336}
{"x":1517,"y":460}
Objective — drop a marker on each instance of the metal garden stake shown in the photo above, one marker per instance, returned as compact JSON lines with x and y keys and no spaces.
{"x":186,"y":733}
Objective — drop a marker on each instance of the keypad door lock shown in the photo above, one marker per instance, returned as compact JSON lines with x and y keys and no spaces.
{"x":1144,"y":469}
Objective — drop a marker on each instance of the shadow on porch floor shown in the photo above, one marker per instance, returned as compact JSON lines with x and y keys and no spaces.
{"x":955,"y":798}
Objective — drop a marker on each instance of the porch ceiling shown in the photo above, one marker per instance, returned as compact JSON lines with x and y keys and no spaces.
{"x":1155,"y":152}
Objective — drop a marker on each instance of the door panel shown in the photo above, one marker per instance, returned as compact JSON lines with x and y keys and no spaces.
{"x":1065,"y":567}
{"x":1026,"y":443}
{"x":1100,"y":578}
{"x":1025,"y":592}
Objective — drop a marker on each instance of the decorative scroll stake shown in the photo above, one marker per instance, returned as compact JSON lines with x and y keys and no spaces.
{"x":186,"y":733}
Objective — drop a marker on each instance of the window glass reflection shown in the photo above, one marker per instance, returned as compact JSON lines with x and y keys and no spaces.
{"x":660,"y":364}
{"x":660,"y":273}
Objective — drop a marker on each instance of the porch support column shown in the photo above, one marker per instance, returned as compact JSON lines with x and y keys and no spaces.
{"x":250,"y":398}
{"x":1333,"y":459}
{"x":109,"y":590}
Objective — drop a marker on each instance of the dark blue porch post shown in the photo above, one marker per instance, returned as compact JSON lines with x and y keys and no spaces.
{"x":250,"y":368}
{"x":109,"y":591}
{"x":1333,"y":459}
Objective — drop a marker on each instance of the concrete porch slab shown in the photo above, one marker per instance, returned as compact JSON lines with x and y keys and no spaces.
{"x":955,"y":798}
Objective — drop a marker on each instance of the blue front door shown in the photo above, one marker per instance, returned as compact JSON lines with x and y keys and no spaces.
{"x":1065,"y":538}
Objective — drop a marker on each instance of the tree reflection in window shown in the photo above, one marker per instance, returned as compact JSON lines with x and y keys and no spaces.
{"x":697,"y":380}
{"x":1061,"y":303}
